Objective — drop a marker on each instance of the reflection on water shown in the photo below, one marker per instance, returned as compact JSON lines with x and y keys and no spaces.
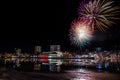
{"x":74,"y":69}
{"x":58,"y":65}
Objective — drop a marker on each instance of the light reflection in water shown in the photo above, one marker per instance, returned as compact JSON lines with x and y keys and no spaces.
{"x":55,"y":64}
{"x":82,"y":69}
{"x":78,"y":79}
{"x":82,"y":79}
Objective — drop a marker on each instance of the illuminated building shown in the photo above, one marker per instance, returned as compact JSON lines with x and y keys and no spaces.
{"x":38,"y":49}
{"x":18,"y":51}
{"x":54,"y":47}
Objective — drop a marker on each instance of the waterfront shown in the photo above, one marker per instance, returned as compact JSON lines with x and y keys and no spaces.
{"x":67,"y":75}
{"x":61,"y":69}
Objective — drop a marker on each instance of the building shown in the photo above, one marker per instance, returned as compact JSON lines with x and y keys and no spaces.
{"x":38,"y":49}
{"x":55,"y":48}
{"x":18,"y":51}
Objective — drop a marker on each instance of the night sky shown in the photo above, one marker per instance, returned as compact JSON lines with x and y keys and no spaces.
{"x":25,"y":24}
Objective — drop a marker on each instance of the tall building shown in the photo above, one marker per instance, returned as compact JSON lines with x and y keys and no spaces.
{"x":55,"y":48}
{"x":38,"y":49}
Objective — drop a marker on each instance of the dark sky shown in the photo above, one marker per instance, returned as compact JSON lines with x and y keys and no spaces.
{"x":28,"y":23}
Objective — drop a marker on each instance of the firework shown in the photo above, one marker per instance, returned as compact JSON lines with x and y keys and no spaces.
{"x":98,"y":13}
{"x":80,"y":33}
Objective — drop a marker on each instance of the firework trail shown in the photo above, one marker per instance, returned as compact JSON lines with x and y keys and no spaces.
{"x":98,"y":13}
{"x":80,"y":33}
